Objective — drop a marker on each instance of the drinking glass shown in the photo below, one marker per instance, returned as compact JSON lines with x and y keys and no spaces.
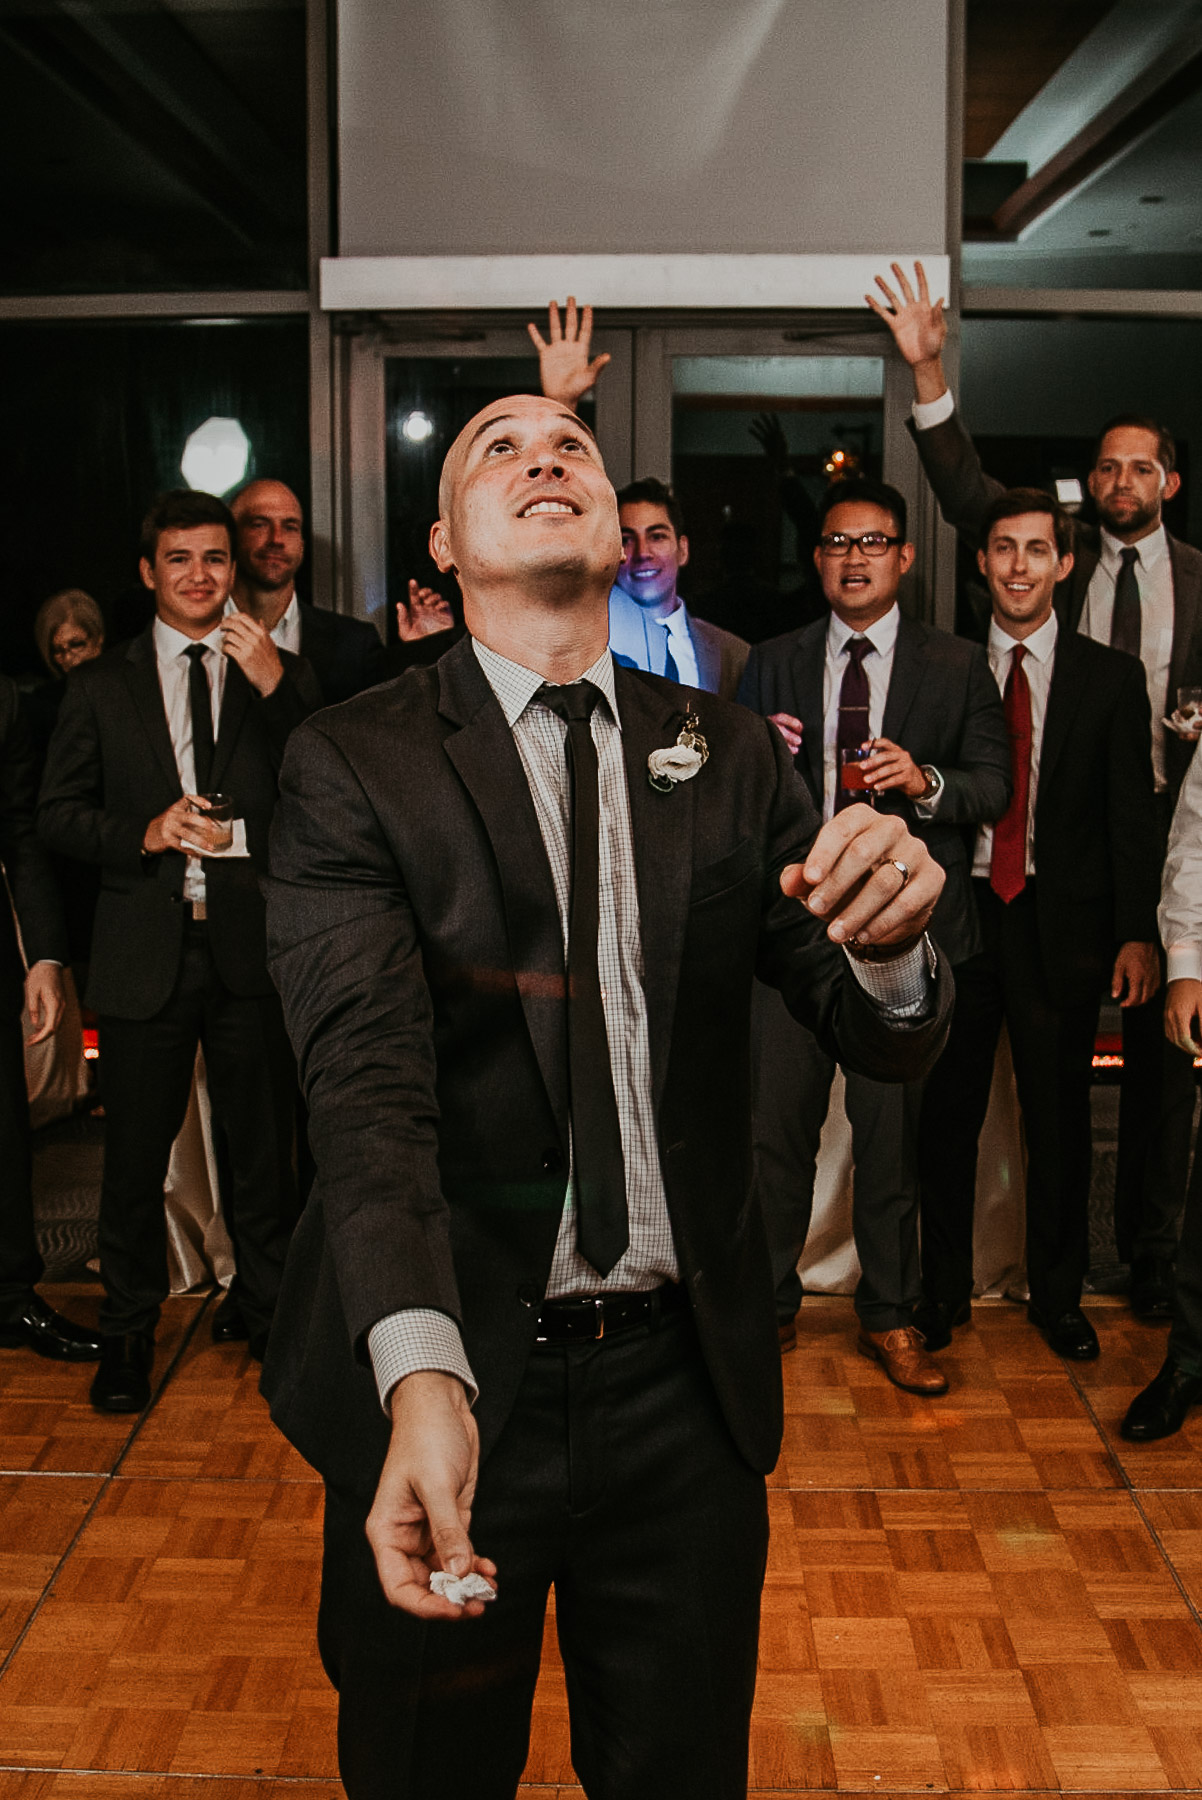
{"x":220,"y":810}
{"x":851,"y":771}
{"x":1189,"y":702}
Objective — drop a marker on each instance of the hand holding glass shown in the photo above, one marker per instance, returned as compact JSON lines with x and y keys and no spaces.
{"x":219,"y":810}
{"x":851,"y":772}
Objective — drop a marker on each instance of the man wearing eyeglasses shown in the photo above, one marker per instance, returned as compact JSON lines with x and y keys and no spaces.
{"x":915,"y":717}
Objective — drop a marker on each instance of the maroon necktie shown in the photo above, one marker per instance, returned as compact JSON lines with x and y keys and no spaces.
{"x":853,"y":714}
{"x":1008,"y":864}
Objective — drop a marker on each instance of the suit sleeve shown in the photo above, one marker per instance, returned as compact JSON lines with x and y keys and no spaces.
{"x":343,"y":951}
{"x":977,"y":789}
{"x":72,"y":818}
{"x":813,"y":975}
{"x":749,"y":690}
{"x":1134,"y":850}
{"x":290,"y":702}
{"x":30,"y":878}
{"x":960,"y":485}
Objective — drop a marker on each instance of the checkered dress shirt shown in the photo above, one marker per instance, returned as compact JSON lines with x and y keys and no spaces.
{"x":422,"y":1338}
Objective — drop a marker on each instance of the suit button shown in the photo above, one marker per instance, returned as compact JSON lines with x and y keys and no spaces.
{"x":529,"y":1294}
{"x":553,"y":1160}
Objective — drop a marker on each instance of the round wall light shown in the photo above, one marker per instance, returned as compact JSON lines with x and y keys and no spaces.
{"x":215,"y":456}
{"x":417,"y":426}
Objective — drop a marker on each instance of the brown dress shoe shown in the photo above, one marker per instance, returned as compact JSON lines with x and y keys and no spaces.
{"x":901,"y":1354}
{"x":788,"y":1336}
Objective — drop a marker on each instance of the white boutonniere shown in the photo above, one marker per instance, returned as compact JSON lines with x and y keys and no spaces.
{"x":681,"y":761}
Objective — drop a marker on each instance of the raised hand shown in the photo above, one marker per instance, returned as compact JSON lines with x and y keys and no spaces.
{"x":250,"y":644}
{"x":769,"y":434}
{"x":422,"y":614}
{"x":563,"y":364}
{"x":919,"y":325}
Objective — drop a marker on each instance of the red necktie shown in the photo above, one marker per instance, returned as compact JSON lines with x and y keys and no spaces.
{"x":1008,"y":864}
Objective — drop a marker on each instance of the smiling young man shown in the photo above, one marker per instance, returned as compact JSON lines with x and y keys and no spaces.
{"x":200,"y":702}
{"x":345,"y":654}
{"x":926,"y":703}
{"x":1133,"y":586}
{"x":1066,"y":885}
{"x":519,"y":986}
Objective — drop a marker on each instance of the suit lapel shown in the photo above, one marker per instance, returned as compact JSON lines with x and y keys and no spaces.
{"x":809,"y":671}
{"x":1187,"y":617}
{"x":909,"y":666}
{"x":1064,"y":697}
{"x":708,"y":654}
{"x":235,"y":700}
{"x":486,"y":759}
{"x":662,"y":832}
{"x":142,"y":675}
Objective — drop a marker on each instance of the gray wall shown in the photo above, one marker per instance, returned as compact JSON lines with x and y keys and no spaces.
{"x":526,"y":126}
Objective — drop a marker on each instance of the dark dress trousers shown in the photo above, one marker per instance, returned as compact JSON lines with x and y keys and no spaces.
{"x":35,"y":900}
{"x":1156,"y":1103}
{"x":345,"y":654}
{"x":1046,"y":961}
{"x":162,"y":983}
{"x":416,"y":941}
{"x":943,"y":707}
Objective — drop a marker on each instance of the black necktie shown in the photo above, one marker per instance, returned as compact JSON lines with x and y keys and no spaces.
{"x":1125,"y":623}
{"x":671,"y":672}
{"x":852,"y":730}
{"x":200,"y":702}
{"x":602,"y":1231}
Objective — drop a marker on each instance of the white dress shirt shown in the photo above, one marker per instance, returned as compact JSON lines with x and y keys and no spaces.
{"x":1037,"y":666}
{"x":174,"y":665}
{"x":1154,"y":573}
{"x":423,"y":1338}
{"x":1181,"y":885}
{"x":635,"y":633}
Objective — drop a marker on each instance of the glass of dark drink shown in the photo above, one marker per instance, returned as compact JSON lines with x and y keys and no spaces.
{"x":851,"y":772}
{"x":219,"y":808}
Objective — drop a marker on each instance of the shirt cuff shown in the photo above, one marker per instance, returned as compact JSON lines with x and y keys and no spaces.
{"x":929,"y":413}
{"x":1184,"y":962}
{"x":404,"y":1343}
{"x":926,"y":809}
{"x":901,"y":988}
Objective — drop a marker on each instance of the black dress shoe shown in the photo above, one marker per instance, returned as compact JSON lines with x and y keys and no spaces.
{"x":1070,"y":1334}
{"x":229,"y":1327}
{"x":1160,"y":1410}
{"x":38,"y":1325}
{"x":937,"y":1319}
{"x":122,"y":1382}
{"x":1152,"y":1289}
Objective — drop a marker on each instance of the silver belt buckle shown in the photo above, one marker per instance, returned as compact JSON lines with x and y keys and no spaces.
{"x":599,"y":1303}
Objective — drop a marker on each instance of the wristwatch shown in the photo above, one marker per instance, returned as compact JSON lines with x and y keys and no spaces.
{"x":934,"y":783}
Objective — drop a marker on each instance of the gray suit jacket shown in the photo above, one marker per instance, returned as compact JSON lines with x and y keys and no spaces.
{"x":721,"y":656}
{"x":965,"y":492}
{"x":943,"y":706}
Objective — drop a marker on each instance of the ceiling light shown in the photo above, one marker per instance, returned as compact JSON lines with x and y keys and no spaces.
{"x":1151,"y":199}
{"x":215,"y":456}
{"x":417,"y":426}
{"x":1101,"y":233}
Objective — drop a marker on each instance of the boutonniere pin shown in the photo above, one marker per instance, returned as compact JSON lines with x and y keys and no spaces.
{"x":681,"y":761}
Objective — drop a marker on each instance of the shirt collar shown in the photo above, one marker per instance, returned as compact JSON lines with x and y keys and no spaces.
{"x":515,"y":686}
{"x":1151,"y":549}
{"x":1041,"y":644}
{"x":170,"y":643}
{"x":677,"y":623}
{"x":882,"y":635}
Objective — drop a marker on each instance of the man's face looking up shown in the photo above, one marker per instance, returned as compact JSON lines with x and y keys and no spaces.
{"x":652,"y":556}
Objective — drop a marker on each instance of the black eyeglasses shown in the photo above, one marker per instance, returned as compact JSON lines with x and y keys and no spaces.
{"x":872,"y":543}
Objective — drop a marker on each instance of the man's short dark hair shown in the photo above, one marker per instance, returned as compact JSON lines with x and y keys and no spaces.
{"x":1017,"y":501}
{"x":651,"y":491}
{"x":183,"y":509}
{"x":863,"y":492}
{"x":1166,"y":449}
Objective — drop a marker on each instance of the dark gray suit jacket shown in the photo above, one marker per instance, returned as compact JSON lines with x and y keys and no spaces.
{"x":111,"y":769}
{"x":965,"y":492}
{"x":345,"y":654}
{"x":943,"y":706}
{"x":416,"y":942}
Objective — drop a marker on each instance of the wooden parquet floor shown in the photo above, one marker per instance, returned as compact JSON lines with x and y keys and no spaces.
{"x":989,"y":1593}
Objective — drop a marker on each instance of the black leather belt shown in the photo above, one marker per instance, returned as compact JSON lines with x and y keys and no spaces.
{"x":597,"y":1316}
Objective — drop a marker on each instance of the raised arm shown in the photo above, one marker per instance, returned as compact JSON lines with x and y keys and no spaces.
{"x":564,"y":368}
{"x":919,"y":328}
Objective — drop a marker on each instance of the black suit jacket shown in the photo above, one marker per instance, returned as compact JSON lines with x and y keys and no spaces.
{"x":943,"y":707}
{"x":965,"y":492}
{"x":346,"y":655}
{"x":415,"y":939}
{"x":26,"y":866}
{"x":1096,"y":842}
{"x":111,"y":769}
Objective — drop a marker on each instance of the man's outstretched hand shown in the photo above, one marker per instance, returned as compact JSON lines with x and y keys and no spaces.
{"x":919,"y":328}
{"x":563,"y":364}
{"x":850,"y":880}
{"x":423,"y":1506}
